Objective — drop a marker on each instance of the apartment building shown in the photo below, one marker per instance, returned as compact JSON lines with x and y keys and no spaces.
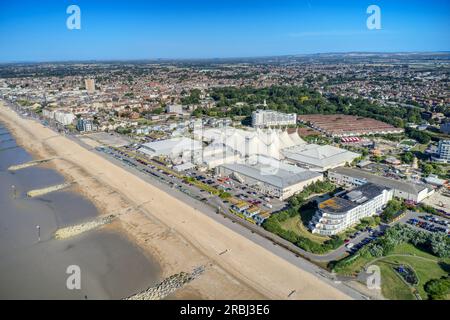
{"x":444,"y":150}
{"x":346,"y":209}
{"x":270,"y":118}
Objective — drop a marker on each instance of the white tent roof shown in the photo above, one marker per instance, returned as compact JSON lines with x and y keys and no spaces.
{"x":296,"y":138}
{"x":286,"y":140}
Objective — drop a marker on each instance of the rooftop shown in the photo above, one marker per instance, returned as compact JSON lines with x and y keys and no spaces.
{"x":409,"y":187}
{"x":352,"y":199}
{"x":278,"y":177}
{"x":319,"y":156}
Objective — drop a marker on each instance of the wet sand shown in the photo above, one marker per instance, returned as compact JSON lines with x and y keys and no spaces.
{"x":112,"y":267}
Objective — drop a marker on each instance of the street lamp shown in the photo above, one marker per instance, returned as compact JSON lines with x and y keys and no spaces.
{"x":39,"y":232}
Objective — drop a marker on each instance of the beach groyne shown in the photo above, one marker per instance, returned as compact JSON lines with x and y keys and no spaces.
{"x":43,"y":191}
{"x":72,"y":231}
{"x":168,"y":285}
{"x":28,"y":164}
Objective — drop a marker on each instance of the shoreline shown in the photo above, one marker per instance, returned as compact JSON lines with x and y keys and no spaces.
{"x":162,"y":226}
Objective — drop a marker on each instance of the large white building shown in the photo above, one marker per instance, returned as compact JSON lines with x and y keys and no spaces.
{"x":279,"y":145}
{"x":174,"y":108}
{"x":275,"y":179}
{"x":63,"y":117}
{"x":90,"y":85}
{"x":248,"y":143}
{"x":173,"y":148}
{"x":444,"y":151}
{"x":402,"y":189}
{"x":335,"y":215}
{"x":270,"y":118}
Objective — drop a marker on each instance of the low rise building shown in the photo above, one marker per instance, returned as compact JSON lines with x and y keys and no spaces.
{"x":335,"y":215}
{"x":280,"y":183}
{"x":402,"y":189}
{"x":173,"y":148}
{"x":174,"y":108}
{"x":319,"y":158}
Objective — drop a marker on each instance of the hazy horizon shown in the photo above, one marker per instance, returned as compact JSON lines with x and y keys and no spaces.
{"x":192,"y":30}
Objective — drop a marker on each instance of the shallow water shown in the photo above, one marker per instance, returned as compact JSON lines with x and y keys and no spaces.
{"x":111,"y":266}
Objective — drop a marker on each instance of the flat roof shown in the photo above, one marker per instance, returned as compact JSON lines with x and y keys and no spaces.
{"x":411,"y":188}
{"x":173,"y":144}
{"x":277,"y":177}
{"x":352,"y":198}
{"x":319,"y":156}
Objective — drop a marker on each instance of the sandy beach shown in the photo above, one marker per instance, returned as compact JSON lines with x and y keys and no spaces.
{"x":178,"y":236}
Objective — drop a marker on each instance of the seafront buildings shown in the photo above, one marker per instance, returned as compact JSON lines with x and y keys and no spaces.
{"x":269,"y":118}
{"x":346,"y":209}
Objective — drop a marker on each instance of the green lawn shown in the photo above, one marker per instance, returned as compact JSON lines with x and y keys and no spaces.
{"x":296,"y":225}
{"x":426,"y":266}
{"x":392,"y":287}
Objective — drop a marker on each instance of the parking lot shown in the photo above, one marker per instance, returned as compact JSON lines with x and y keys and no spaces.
{"x":240,"y":191}
{"x":175,"y":180}
{"x":426,"y":222}
{"x":362,"y":238}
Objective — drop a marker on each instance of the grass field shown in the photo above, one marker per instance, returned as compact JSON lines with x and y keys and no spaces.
{"x":426,"y":266}
{"x":296,"y":225}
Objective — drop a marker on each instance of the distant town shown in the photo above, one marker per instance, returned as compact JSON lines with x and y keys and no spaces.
{"x":331,"y":156}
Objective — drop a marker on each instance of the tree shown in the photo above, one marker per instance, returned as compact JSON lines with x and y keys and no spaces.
{"x":440,"y":244}
{"x":407,"y":157}
{"x":392,"y":210}
{"x":438,"y":289}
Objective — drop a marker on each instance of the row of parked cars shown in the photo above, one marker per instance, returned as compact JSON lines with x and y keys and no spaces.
{"x":352,"y":248}
{"x":434,"y":219}
{"x":425,"y":223}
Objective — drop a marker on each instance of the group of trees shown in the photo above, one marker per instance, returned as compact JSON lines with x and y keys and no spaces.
{"x":393,"y":209}
{"x":407,"y":157}
{"x":437,"y":244}
{"x":438,"y":289}
{"x":193,"y":98}
{"x":302,"y":100}
{"x":421,"y":136}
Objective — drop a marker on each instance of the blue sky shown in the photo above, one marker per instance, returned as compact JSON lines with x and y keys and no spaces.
{"x":138,"y":29}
